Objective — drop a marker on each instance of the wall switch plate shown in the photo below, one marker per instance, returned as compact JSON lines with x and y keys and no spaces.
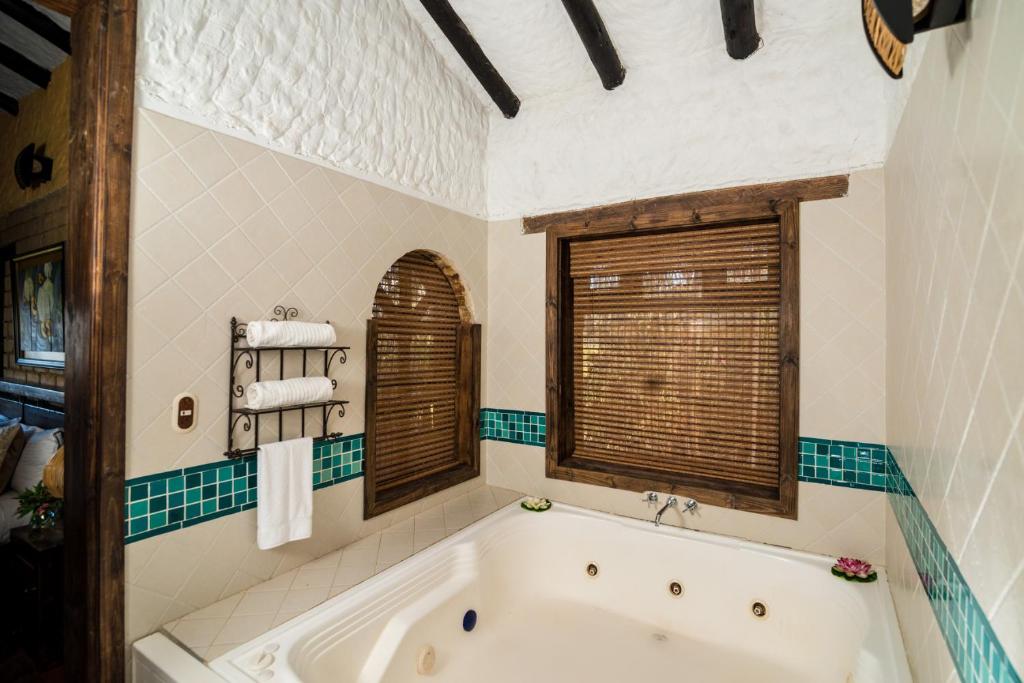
{"x":183,"y":413}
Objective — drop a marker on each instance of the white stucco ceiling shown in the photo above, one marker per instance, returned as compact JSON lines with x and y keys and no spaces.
{"x":30,"y":45}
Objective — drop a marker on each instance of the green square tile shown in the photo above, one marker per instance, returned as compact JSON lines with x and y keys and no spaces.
{"x":175,"y":484}
{"x":193,"y":496}
{"x":209,"y":506}
{"x":157,"y":520}
{"x":139,"y":509}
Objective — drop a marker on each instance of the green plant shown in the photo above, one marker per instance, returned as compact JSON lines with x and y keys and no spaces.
{"x":44,"y":507}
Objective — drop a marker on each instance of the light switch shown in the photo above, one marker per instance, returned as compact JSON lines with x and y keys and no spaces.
{"x":183,"y":414}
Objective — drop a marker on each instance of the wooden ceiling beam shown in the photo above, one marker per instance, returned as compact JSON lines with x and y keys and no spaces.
{"x":467,"y":47}
{"x":65,"y":7}
{"x":8,"y":104}
{"x":738,"y":21}
{"x":596,"y":40}
{"x":24,"y":67}
{"x":37,"y":22}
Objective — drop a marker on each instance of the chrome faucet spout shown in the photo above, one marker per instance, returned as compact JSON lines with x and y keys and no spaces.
{"x":670,"y":503}
{"x":689,"y":506}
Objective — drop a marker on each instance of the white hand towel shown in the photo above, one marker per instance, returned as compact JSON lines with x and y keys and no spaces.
{"x":288,"y":392}
{"x":261,"y":333}
{"x":284,"y":489}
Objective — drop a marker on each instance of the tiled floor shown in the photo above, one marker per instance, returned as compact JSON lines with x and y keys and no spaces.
{"x":212,"y":631}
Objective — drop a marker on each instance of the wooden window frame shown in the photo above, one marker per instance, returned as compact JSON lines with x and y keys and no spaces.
{"x":776,"y":202}
{"x":467,"y":428}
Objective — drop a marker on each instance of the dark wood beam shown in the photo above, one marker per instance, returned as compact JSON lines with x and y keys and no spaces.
{"x":8,"y":104}
{"x":594,"y":35}
{"x":37,"y":22}
{"x":467,"y":47}
{"x":741,"y":38}
{"x":24,"y":67}
{"x":693,"y":207}
{"x":65,"y":7}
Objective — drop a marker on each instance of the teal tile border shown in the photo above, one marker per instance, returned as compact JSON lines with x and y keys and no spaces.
{"x":167,"y":501}
{"x":973,"y":645}
{"x":513,"y":426}
{"x":852,"y":464}
{"x":158,"y":503}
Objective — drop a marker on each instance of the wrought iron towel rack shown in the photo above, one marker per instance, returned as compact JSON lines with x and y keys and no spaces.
{"x":253,"y":358}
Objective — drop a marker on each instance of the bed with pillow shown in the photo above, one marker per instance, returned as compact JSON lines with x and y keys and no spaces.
{"x":31,"y":433}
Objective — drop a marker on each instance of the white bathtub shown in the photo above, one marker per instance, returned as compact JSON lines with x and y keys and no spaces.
{"x":542,"y":617}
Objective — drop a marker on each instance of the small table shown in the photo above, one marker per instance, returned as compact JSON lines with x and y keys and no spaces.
{"x":37,"y":579}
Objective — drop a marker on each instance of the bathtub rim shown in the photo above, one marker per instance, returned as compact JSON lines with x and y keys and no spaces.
{"x":883,"y":638}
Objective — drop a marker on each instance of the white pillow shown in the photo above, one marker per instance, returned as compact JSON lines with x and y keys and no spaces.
{"x":41,"y":447}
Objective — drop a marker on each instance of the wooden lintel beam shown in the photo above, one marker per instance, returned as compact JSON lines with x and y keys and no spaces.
{"x":467,"y":47}
{"x":24,"y":67}
{"x":692,"y":207}
{"x":596,"y":40}
{"x":741,"y":38}
{"x":37,"y":22}
{"x":8,"y":104}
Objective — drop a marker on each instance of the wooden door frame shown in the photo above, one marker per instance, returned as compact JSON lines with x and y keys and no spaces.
{"x":99,"y":198}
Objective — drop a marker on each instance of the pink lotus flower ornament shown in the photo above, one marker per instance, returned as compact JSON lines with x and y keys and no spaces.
{"x":852,"y":569}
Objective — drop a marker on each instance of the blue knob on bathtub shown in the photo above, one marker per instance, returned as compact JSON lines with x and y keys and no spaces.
{"x":469,"y":620}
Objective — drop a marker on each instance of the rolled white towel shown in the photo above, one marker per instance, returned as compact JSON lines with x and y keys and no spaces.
{"x":288,"y":392}
{"x":262,"y":333}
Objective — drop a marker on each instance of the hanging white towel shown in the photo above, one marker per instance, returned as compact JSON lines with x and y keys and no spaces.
{"x":262,"y":333}
{"x":284,"y":486}
{"x":288,"y":392}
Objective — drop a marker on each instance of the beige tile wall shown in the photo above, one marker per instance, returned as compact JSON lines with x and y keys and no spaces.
{"x":841,"y":381}
{"x":224,"y":228}
{"x":955,"y":221}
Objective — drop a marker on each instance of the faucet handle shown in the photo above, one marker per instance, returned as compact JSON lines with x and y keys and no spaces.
{"x":690,"y":505}
{"x":649,"y":497}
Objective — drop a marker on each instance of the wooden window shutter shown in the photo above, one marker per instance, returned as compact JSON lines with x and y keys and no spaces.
{"x":672,"y":360}
{"x":422,"y":385}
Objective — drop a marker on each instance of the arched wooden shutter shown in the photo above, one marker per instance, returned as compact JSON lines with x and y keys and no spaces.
{"x":422,"y":385}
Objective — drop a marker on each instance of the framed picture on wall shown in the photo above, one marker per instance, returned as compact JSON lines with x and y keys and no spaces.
{"x":37,"y":298}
